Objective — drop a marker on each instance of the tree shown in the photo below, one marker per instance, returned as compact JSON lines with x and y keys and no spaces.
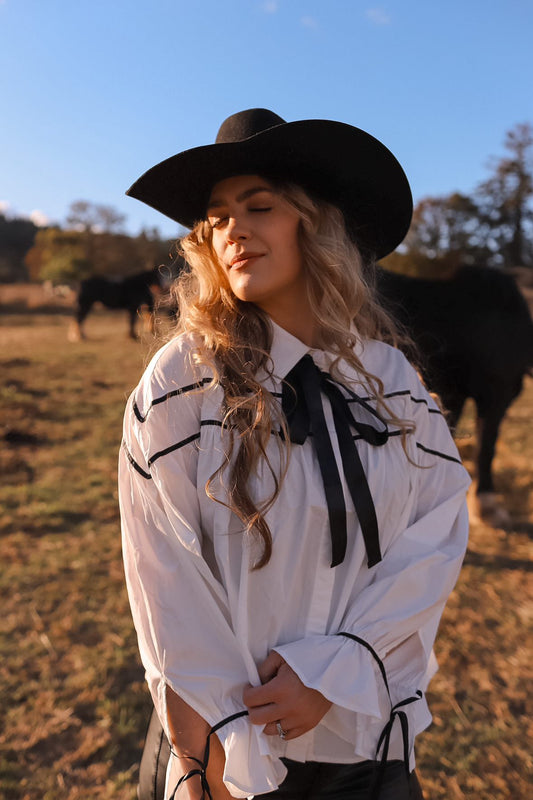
{"x":118,"y":254}
{"x":505,"y":201}
{"x":494,"y":226}
{"x":93,"y":218}
{"x":447,"y":226}
{"x":444,"y":234}
{"x":58,"y":256}
{"x":68,"y":256}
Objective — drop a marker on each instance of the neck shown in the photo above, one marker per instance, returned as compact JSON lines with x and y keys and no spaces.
{"x":302,"y":326}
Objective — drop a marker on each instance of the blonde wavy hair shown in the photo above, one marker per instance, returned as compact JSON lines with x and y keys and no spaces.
{"x":233,"y":338}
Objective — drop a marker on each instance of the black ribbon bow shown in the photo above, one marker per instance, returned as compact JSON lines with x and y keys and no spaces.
{"x":302,"y":406}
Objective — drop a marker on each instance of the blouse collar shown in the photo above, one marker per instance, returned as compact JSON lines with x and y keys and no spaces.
{"x":287,"y":350}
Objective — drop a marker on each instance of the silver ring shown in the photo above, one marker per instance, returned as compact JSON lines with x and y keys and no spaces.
{"x":281,"y":733}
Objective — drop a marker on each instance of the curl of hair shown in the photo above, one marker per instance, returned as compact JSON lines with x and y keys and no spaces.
{"x":234,"y":339}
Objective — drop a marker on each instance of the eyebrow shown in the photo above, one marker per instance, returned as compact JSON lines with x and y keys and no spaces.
{"x":241,"y":197}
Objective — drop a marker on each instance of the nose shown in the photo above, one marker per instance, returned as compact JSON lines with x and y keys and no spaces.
{"x":236,"y":230}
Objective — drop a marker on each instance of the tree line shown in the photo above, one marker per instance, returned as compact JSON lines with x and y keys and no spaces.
{"x":92,"y":241}
{"x":492,"y":225}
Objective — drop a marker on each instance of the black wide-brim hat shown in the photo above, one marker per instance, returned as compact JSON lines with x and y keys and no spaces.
{"x":330,"y":160}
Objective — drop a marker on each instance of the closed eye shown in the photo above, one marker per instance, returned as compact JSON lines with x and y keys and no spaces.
{"x":218,"y":223}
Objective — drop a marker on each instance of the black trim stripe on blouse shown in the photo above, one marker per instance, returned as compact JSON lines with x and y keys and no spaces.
{"x":173,"y":447}
{"x":405,"y":393}
{"x":193,"y":437}
{"x":387,"y":396}
{"x":170,"y":449}
{"x":438,"y":453}
{"x":420,"y":446}
{"x":134,"y":464}
{"x":217,"y":423}
{"x":199,"y":384}
{"x":356,"y":438}
{"x":174,"y":393}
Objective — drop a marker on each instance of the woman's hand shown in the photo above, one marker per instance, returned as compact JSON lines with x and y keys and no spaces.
{"x":283,"y":698}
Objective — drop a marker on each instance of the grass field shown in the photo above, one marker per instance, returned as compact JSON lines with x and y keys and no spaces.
{"x":74,"y":705}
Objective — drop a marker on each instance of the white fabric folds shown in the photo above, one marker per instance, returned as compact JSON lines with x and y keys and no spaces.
{"x":204,"y":619}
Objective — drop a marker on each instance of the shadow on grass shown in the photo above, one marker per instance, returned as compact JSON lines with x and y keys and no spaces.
{"x":15,"y":362}
{"x":37,"y":528}
{"x":524,"y":527}
{"x":497,"y":562}
{"x":17,"y":438}
{"x":13,"y":771}
{"x":130,"y":716}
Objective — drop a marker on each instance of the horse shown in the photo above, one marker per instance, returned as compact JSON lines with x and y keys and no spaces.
{"x":474,"y":333}
{"x":133,"y":294}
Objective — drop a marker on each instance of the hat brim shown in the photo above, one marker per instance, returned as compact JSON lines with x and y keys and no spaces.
{"x":337,"y":162}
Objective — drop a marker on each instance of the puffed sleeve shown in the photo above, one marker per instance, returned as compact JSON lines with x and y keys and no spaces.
{"x":385,"y":656}
{"x":179,"y":608}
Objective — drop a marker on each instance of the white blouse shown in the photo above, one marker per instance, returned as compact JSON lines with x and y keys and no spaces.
{"x":204,"y":618}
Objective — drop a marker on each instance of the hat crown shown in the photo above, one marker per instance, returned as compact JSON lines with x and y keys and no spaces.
{"x":245,"y":124}
{"x":332,"y":161}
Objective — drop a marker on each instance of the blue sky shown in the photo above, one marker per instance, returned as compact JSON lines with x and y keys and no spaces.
{"x":94,"y":93}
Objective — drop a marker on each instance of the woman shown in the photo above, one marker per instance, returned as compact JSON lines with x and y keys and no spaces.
{"x":293,"y":504}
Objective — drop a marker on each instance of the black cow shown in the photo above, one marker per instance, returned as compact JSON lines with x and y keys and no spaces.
{"x":130,"y":294}
{"x":475,"y":337}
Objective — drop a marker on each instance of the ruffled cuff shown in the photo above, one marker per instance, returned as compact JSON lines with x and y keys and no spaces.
{"x":363,"y":733}
{"x":250,"y":768}
{"x":374,"y":717}
{"x":346,"y":674}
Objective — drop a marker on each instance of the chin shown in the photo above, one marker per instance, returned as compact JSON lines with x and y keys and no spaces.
{"x":247,"y":295}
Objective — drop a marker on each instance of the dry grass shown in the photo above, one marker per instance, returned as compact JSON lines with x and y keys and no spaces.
{"x":74,"y":704}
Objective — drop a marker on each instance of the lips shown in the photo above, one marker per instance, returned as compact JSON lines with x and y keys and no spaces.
{"x":243,"y":258}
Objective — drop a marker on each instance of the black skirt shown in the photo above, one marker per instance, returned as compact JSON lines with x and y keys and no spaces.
{"x":321,"y":781}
